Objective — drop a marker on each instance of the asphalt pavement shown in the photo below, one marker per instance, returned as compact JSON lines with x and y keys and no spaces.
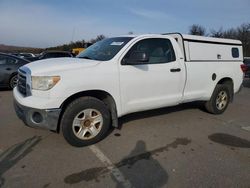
{"x":181,"y":146}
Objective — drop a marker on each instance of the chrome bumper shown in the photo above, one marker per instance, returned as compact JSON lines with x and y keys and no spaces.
{"x":37,"y":118}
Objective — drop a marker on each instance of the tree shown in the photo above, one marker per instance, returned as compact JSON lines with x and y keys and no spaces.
{"x":230,"y":34}
{"x":98,"y":38}
{"x":218,"y":34}
{"x":196,"y":29}
{"x":241,"y":33}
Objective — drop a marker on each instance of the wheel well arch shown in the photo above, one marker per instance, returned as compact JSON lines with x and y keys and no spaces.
{"x":99,"y":94}
{"x":12,"y":74}
{"x":228,"y":81}
{"x":225,"y":80}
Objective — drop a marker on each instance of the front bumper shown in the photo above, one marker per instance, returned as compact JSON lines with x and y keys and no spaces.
{"x":47,"y":118}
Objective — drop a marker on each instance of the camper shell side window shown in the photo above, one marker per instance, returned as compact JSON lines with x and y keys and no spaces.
{"x":235,"y":52}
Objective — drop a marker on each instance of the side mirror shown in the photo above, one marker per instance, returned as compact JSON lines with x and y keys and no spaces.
{"x":137,"y":58}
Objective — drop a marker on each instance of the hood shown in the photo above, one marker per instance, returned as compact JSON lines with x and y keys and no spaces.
{"x":56,"y":65}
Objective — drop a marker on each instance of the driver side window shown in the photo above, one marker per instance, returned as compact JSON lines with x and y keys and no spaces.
{"x":6,"y":60}
{"x":158,"y":50}
{"x":3,"y":60}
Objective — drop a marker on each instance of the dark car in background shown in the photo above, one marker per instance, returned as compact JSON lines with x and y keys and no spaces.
{"x":50,"y":54}
{"x":23,"y":54}
{"x":9,"y":66}
{"x":247,"y":63}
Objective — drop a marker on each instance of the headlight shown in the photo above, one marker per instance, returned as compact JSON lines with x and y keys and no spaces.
{"x":44,"y":82}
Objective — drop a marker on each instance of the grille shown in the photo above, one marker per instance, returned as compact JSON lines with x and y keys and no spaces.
{"x":21,"y":85}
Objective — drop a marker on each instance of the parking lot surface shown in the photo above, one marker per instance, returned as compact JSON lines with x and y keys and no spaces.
{"x":179,"y":146}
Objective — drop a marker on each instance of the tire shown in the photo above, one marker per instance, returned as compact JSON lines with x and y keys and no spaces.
{"x":219,"y":100}
{"x":13,"y":81}
{"x":85,"y":121}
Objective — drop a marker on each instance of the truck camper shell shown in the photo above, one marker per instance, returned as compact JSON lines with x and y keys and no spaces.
{"x":199,"y":48}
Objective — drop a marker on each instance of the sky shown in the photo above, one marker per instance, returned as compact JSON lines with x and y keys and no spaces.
{"x":47,"y":23}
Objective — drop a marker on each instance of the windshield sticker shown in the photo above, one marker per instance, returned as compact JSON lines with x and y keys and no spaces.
{"x":117,"y":43}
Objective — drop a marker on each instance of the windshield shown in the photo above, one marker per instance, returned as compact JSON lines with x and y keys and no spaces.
{"x":104,"y":50}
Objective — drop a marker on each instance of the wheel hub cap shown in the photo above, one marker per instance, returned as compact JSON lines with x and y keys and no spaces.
{"x":87,"y":124}
{"x":221,"y":100}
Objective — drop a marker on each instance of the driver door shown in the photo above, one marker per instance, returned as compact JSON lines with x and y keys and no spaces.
{"x":152,"y":84}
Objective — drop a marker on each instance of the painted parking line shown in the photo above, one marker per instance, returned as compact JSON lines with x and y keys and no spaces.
{"x":107,"y":162}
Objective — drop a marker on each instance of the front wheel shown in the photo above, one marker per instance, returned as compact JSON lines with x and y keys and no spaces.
{"x":219,"y":100}
{"x":85,"y":121}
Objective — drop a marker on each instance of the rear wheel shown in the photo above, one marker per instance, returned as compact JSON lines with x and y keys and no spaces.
{"x":85,"y":121}
{"x":13,"y":81}
{"x":219,"y":100}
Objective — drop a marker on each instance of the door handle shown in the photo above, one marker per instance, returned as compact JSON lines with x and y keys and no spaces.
{"x":175,"y":70}
{"x":8,"y":69}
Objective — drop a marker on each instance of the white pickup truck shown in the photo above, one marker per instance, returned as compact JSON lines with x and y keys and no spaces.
{"x":84,"y":96}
